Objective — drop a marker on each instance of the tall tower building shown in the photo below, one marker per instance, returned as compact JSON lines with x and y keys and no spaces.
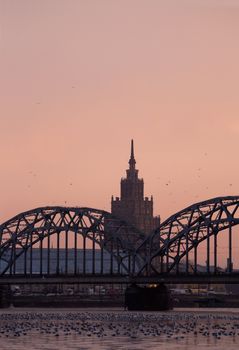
{"x":132,"y":206}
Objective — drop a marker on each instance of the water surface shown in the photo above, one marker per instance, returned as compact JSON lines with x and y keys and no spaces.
{"x":24,"y":329}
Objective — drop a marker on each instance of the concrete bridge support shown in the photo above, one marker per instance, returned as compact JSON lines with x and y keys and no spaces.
{"x":147,"y":298}
{"x":5,"y":296}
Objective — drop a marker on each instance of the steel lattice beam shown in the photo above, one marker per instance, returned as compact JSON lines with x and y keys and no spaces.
{"x":36,"y":227}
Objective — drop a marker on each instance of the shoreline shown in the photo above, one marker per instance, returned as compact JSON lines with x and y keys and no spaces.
{"x":120,"y":310}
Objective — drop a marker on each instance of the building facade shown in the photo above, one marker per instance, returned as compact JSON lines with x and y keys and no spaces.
{"x":132,"y":206}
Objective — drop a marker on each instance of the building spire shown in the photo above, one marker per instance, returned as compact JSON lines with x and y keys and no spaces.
{"x":132,"y":161}
{"x":132,"y":148}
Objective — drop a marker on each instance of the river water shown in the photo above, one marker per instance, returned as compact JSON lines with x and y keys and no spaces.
{"x":82,"y":329}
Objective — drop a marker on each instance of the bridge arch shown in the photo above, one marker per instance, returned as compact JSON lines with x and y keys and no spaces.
{"x":183,"y":232}
{"x":71,"y":233}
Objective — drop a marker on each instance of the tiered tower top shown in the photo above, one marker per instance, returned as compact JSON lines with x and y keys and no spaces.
{"x":132,"y":206}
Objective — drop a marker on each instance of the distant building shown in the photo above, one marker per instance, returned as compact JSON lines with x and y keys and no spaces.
{"x":132,"y":206}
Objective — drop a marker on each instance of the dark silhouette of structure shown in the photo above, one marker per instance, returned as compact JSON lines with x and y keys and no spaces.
{"x":132,"y":206}
{"x":129,"y":246}
{"x":61,"y":239}
{"x":73,"y":242}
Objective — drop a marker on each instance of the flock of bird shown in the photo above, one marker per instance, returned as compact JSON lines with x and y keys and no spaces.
{"x":133,"y":325}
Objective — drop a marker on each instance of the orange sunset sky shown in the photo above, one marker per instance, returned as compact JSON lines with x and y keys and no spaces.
{"x":80,"y":78}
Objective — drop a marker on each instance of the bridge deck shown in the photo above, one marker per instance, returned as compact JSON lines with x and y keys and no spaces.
{"x":108,"y":279}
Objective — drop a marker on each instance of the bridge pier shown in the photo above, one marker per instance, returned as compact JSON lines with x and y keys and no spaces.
{"x":147,"y":298}
{"x":5,"y":296}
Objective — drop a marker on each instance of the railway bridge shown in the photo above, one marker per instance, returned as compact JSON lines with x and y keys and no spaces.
{"x":86,"y":245}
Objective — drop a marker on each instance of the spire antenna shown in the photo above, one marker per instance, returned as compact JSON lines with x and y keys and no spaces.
{"x":132,"y":149}
{"x":132,"y":161}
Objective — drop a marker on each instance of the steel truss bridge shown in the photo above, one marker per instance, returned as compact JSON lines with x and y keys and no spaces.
{"x":85,"y":245}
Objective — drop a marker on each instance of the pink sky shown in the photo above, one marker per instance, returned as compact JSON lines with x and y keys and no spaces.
{"x":79,"y":79}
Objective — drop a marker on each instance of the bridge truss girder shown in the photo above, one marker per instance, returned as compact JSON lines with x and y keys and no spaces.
{"x":97,"y":229}
{"x":183,"y":232}
{"x":131,"y":253}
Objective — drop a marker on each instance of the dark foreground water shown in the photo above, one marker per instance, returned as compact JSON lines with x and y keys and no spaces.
{"x":116,"y":329}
